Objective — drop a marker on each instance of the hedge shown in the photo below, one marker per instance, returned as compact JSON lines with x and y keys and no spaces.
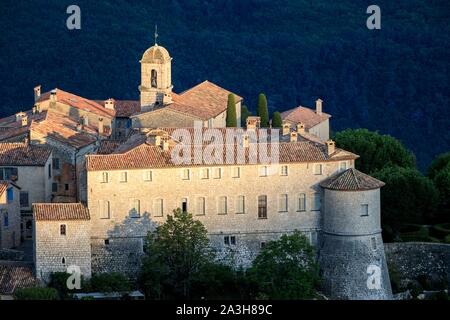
{"x":36,"y":293}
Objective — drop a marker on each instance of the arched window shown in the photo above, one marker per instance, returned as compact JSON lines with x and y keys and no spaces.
{"x":154,"y":79}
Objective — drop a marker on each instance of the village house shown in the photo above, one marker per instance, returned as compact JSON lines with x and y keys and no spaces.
{"x":9,"y":215}
{"x":29,"y":167}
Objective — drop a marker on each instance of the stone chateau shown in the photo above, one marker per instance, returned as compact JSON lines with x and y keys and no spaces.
{"x":86,"y":180}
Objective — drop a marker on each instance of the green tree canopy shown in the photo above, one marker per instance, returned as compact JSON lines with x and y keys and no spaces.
{"x":376,"y":151}
{"x":442,"y":183}
{"x":263,"y":111}
{"x":245,"y":113}
{"x":231,"y":120}
{"x":286,"y":269}
{"x":276,"y":120}
{"x":439,"y":163}
{"x":408,"y":197}
{"x":175,"y":253}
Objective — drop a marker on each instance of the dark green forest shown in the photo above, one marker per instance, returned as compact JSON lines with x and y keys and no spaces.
{"x":394,"y":80}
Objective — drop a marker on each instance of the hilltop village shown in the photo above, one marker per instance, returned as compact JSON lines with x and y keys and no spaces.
{"x":85,"y":180}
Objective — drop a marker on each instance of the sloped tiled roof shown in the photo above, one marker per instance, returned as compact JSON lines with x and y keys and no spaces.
{"x":308,"y":116}
{"x":64,"y":129}
{"x":124,"y":108}
{"x":3,"y":186}
{"x":23,"y":154}
{"x":60,"y":211}
{"x":137,"y":153}
{"x":13,"y":277}
{"x":352,"y":180}
{"x":79,"y":103}
{"x":204,"y":101}
{"x":10,"y":128}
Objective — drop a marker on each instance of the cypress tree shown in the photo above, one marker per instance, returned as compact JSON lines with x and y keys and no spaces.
{"x":245,"y":113}
{"x":263,"y":112}
{"x":276,"y":120}
{"x":231,"y":119}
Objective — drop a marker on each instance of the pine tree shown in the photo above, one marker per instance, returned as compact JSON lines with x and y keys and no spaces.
{"x":245,"y":113}
{"x":263,"y":112}
{"x":276,"y":120}
{"x":231,"y":119}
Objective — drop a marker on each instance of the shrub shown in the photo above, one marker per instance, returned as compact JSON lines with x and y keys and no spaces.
{"x":441,"y":230}
{"x":447,"y":239}
{"x":36,"y":293}
{"x":58,"y":281}
{"x":110,"y":282}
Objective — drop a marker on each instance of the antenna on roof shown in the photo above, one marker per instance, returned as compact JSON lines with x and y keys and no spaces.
{"x":156,"y":34}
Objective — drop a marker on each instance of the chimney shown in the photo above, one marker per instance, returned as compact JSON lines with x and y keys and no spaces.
{"x":154,"y":139}
{"x":253,"y":122}
{"x":84,"y":120}
{"x":319,"y":106}
{"x":109,"y":104}
{"x":245,"y":140}
{"x":37,"y":93}
{"x":286,"y":128}
{"x":101,"y":128}
{"x":20,"y":115}
{"x":300,"y":128}
{"x":24,"y":121}
{"x":79,"y":127}
{"x":293,"y":136}
{"x":167,"y":99}
{"x":53,"y":97}
{"x":331,"y":147}
{"x":165,"y":145}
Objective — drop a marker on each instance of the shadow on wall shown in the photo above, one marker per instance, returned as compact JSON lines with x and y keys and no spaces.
{"x":123,"y":250}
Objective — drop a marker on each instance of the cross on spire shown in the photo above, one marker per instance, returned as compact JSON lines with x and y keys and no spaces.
{"x":156,"y":34}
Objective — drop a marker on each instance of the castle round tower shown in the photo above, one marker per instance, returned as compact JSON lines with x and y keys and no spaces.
{"x":351,"y":256}
{"x":156,"y":78}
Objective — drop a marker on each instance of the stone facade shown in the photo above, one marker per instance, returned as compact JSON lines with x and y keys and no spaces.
{"x":54,"y":252}
{"x":352,"y":248}
{"x":248,"y":230}
{"x":9,"y":218}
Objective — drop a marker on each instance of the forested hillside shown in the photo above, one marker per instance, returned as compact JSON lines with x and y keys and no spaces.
{"x":395,"y":80}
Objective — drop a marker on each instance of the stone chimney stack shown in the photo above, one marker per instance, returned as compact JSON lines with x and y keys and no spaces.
{"x":24,"y":121}
{"x":300,"y":128}
{"x":293,"y":136}
{"x":53,"y":97}
{"x":286,"y":128}
{"x":154,"y":139}
{"x":109,"y":104}
{"x":245,"y":140}
{"x":253,"y":122}
{"x":331,"y":147}
{"x":37,"y":93}
{"x":319,"y":106}
{"x":167,"y":98}
{"x":165,"y":145}
{"x":101,"y":126}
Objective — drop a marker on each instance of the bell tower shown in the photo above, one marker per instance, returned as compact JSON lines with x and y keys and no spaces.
{"x":156,"y":78}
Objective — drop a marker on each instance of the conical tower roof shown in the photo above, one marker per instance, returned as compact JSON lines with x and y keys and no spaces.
{"x":352,"y":180}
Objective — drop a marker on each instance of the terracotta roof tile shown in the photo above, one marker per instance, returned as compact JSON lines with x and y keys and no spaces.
{"x":60,"y":211}
{"x":206,"y":100}
{"x":137,"y":153}
{"x":124,"y":108}
{"x":15,"y":276}
{"x":79,"y":103}
{"x":3,"y":186}
{"x":352,"y":180}
{"x":23,"y":154}
{"x":308,"y":116}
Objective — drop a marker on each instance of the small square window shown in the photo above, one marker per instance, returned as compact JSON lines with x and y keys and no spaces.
{"x":284,"y":170}
{"x":186,"y":174}
{"x":63,"y":229}
{"x":54,"y":187}
{"x":236,"y":172}
{"x":233,"y":240}
{"x":217,"y":173}
{"x":105,"y":177}
{"x":317,"y":169}
{"x":262,"y":245}
{"x":106,"y":241}
{"x":66,"y":187}
{"x":205,"y":173}
{"x":364,"y":210}
{"x":263,"y":171}
{"x":148,"y":175}
{"x":123,"y":176}
{"x":343,"y":165}
{"x":226,"y":240}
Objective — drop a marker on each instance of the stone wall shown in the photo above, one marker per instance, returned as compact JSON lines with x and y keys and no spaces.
{"x":413,"y":259}
{"x":54,"y":252}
